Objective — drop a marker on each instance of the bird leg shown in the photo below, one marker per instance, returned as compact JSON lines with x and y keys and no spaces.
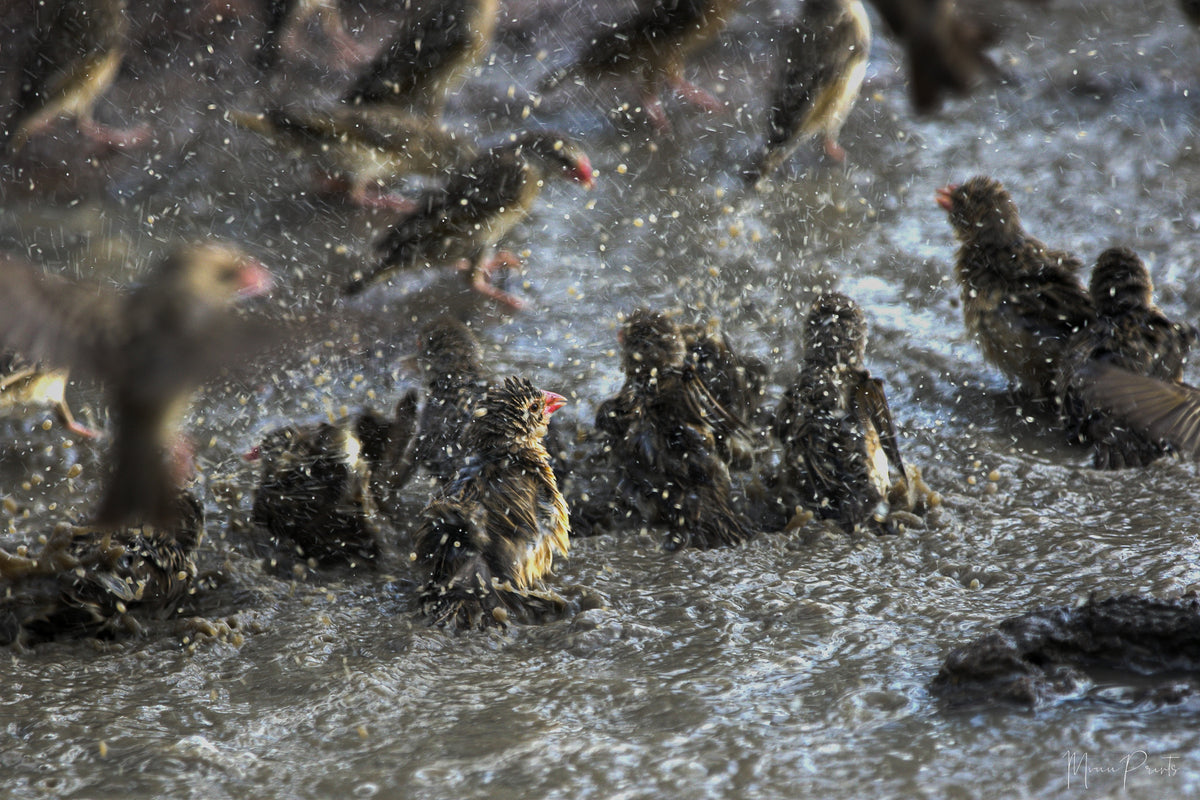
{"x":834,"y":150}
{"x":479,"y":275}
{"x":68,"y":419}
{"x":365,"y":195}
{"x":653,"y":107}
{"x":691,"y":93}
{"x":108,"y":136}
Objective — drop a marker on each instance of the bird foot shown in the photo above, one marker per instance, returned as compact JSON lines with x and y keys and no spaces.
{"x":480,"y":278}
{"x":693,"y":94}
{"x":77,"y":428}
{"x":118,"y":138}
{"x":834,"y":150}
{"x":375,"y":197}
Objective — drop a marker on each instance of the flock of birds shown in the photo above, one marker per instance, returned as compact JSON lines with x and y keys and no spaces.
{"x":510,"y":489}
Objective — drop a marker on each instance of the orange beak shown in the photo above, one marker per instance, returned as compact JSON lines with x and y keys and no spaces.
{"x":583,"y":172}
{"x":553,"y":402}
{"x":253,"y":279}
{"x":945,"y":196}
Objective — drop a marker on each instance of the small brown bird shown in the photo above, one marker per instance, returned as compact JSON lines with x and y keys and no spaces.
{"x":1021,"y":299}
{"x":75,"y":56}
{"x":427,"y":56}
{"x":315,"y":492}
{"x":94,"y":582}
{"x":839,"y":440}
{"x":1121,"y":382}
{"x":464,"y":220}
{"x":359,"y":148}
{"x":663,"y":427}
{"x":825,"y":61}
{"x":25,"y":387}
{"x":945,"y":51}
{"x":488,"y":537}
{"x":455,"y":381}
{"x":286,"y":17}
{"x":651,"y":47}
{"x":151,"y":346}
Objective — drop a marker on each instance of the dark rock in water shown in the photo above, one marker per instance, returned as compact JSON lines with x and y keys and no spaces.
{"x":1054,"y":654}
{"x":89,"y":581}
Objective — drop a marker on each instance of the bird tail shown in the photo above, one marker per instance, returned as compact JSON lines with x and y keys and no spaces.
{"x":721,"y":527}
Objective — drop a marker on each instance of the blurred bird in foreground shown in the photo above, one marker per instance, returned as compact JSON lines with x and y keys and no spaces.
{"x":663,"y":427}
{"x":151,"y":346}
{"x":77,"y":51}
{"x":427,"y":56}
{"x":464,"y":220}
{"x":286,"y":17}
{"x":361,"y":148}
{"x":651,"y":47}
{"x":1021,"y":300}
{"x":455,"y":380}
{"x":945,"y":50}
{"x":839,"y":440}
{"x":1121,"y":383}
{"x":488,"y":537}
{"x":825,"y":61}
{"x":95,"y":582}
{"x":25,"y":387}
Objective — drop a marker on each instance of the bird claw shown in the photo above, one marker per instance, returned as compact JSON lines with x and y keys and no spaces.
{"x":834,"y":150}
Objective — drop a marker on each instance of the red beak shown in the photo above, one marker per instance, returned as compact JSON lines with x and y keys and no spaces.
{"x":553,"y":402}
{"x":253,"y":454}
{"x":254,"y":279}
{"x":583,"y":172}
{"x":945,"y":196}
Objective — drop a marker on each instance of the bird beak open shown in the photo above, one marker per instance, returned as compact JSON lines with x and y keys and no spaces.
{"x":945,"y":196}
{"x":553,"y":402}
{"x":583,"y":172}
{"x":253,"y":279}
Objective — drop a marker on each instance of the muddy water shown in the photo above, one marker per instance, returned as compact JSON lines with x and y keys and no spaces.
{"x":793,"y":667}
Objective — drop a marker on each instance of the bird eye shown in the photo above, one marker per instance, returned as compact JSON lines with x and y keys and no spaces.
{"x":228,"y":274}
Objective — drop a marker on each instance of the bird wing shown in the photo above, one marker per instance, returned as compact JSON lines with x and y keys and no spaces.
{"x":1167,"y":412}
{"x":65,"y":323}
{"x":425,"y":44}
{"x":871,"y":408}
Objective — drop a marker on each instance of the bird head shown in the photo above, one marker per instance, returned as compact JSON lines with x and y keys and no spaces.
{"x":835,"y":331}
{"x":513,"y":415}
{"x":213,"y":274}
{"x":554,"y":154}
{"x":650,"y":342}
{"x":448,"y":349}
{"x":979,"y":207}
{"x":1120,"y":282}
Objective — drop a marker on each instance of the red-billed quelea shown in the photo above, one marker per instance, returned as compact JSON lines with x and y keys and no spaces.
{"x":151,"y":346}
{"x":488,"y":538}
{"x":1021,"y":300}
{"x":465,"y":220}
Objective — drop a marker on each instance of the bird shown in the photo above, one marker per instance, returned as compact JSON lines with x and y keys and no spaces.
{"x":1022,"y":300}
{"x":839,"y":440}
{"x":426,"y":57}
{"x":1123,"y":370}
{"x":455,"y":381}
{"x":315,"y":493}
{"x":735,"y":380}
{"x":651,"y":46}
{"x":90,"y":581}
{"x":284,"y":17}
{"x":487,"y":539}
{"x":76,"y":52}
{"x":824,"y":63}
{"x":662,"y":428}
{"x":476,"y":209}
{"x":361,"y":147}
{"x":151,"y":347}
{"x":25,"y":386}
{"x":945,"y":51}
